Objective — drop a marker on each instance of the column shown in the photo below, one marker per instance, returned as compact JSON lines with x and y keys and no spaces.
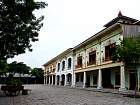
{"x":52,"y":79}
{"x":73,"y":79}
{"x":60,"y":80}
{"x":55,"y":79}
{"x":49,"y":80}
{"x":91,"y":79}
{"x":99,"y":79}
{"x":122,"y":72}
{"x":84,"y":81}
{"x":65,"y":84}
{"x":44,"y":80}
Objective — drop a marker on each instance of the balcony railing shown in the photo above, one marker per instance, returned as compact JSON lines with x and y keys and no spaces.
{"x":78,"y":66}
{"x":106,"y":59}
{"x":69,"y":68}
{"x":91,"y":63}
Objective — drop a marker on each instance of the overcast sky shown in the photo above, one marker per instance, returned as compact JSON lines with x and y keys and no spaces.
{"x":69,"y":22}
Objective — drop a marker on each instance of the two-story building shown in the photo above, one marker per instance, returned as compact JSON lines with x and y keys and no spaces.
{"x":91,"y":63}
{"x":49,"y":72}
{"x":62,"y":73}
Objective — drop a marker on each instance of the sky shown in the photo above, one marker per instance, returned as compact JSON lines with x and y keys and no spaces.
{"x":69,"y":22}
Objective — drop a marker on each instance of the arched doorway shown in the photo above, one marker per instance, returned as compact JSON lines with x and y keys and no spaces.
{"x":69,"y":79}
{"x":62,"y":79}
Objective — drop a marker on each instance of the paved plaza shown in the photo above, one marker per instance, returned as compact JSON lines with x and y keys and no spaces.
{"x":52,"y":95}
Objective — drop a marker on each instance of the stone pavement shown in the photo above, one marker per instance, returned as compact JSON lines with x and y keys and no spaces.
{"x":54,"y":95}
{"x":113,"y":91}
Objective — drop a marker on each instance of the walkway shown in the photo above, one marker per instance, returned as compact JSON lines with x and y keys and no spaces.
{"x":52,"y":95}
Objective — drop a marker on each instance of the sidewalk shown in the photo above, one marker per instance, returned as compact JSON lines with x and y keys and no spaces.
{"x":113,"y":91}
{"x":104,"y":90}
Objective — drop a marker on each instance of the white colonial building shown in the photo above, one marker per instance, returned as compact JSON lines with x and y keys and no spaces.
{"x":89,"y":63}
{"x":63,"y":70}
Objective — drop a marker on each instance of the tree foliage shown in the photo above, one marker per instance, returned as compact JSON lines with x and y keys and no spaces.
{"x":3,"y":68}
{"x":128,"y":51}
{"x":18,"y":67}
{"x":18,"y":26}
{"x":38,"y":72}
{"x":39,"y":75}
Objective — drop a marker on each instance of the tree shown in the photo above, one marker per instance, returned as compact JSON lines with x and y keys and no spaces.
{"x":128,"y":52}
{"x":39,"y":74}
{"x":18,"y":26}
{"x":18,"y":67}
{"x":3,"y":68}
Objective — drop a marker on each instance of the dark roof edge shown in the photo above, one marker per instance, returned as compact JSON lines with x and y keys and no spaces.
{"x":119,"y":17}
{"x":94,"y":36}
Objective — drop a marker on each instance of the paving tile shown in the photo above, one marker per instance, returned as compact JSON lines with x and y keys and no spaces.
{"x":55,"y":95}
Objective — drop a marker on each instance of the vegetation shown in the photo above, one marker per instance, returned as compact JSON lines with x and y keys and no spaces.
{"x":39,"y":74}
{"x":3,"y":67}
{"x":9,"y":70}
{"x":18,"y":26}
{"x":11,"y":81}
{"x":128,"y":52}
{"x":20,"y":68}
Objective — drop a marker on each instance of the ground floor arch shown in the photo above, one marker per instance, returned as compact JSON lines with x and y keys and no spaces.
{"x":62,"y":79}
{"x":58,"y":79}
{"x":69,"y":79}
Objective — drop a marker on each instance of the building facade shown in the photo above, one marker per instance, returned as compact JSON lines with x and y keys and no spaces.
{"x":60,"y":69}
{"x":89,"y":63}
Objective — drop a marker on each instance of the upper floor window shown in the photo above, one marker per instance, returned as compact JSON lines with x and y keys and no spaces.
{"x":92,"y":58}
{"x":69,"y":63}
{"x":79,"y":62}
{"x":63,"y":65}
{"x":51,"y":69}
{"x":58,"y":66}
{"x":48,"y":70}
{"x":109,"y":50}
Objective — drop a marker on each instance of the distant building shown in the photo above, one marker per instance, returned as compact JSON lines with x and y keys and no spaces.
{"x":89,"y":63}
{"x":25,"y":78}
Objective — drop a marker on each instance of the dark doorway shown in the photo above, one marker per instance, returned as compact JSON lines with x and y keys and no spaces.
{"x":53,"y":79}
{"x":106,"y":79}
{"x":63,"y":80}
{"x":58,"y":79}
{"x":132,"y":80}
{"x":88,"y":81}
{"x":117,"y":78}
{"x":95,"y":80}
{"x":69,"y":79}
{"x":50,"y":79}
